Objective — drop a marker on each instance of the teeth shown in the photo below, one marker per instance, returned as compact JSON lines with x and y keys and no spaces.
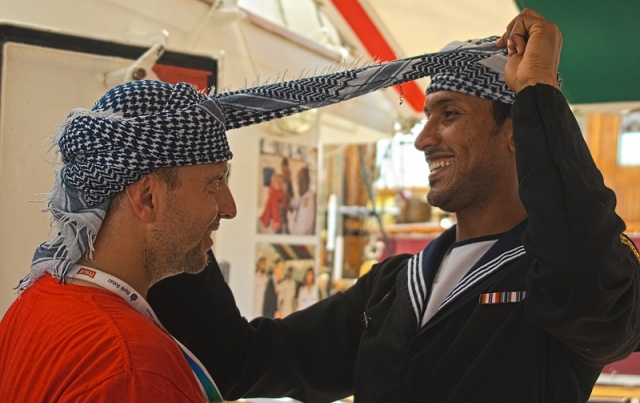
{"x":435,"y":165}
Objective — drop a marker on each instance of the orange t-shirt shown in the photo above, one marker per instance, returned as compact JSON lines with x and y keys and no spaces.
{"x":68,"y":343}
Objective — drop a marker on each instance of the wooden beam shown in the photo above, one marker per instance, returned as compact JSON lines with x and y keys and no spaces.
{"x":627,"y":392}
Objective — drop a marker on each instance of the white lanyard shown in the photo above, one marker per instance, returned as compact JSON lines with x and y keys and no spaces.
{"x":124,"y":290}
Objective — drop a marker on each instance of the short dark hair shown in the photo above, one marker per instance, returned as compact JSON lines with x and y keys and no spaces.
{"x":501,"y":112}
{"x":168,"y":175}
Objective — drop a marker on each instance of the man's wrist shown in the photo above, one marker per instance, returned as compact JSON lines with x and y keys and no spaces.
{"x":532,"y":82}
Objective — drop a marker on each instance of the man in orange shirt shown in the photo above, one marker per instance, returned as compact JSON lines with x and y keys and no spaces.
{"x":135,"y":201}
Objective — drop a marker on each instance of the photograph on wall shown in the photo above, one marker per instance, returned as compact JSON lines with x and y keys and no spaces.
{"x":287,"y":191}
{"x":285,"y":279}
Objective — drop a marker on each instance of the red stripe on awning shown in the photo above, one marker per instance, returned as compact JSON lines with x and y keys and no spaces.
{"x":377,"y":46}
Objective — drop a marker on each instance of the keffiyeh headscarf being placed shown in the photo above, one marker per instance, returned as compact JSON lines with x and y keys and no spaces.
{"x":143,"y":125}
{"x":479,"y":76}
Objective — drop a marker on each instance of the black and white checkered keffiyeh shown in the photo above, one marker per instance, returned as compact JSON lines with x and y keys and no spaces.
{"x":482,"y":78}
{"x":142,"y":125}
{"x":475,"y":67}
{"x":133,"y":129}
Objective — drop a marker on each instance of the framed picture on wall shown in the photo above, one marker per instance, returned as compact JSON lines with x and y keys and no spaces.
{"x":287,"y":189}
{"x":285,"y":279}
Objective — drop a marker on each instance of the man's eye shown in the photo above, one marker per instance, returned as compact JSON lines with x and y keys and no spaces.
{"x":214,"y":186}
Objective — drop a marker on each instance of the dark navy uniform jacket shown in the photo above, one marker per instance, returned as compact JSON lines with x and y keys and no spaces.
{"x":534,"y":320}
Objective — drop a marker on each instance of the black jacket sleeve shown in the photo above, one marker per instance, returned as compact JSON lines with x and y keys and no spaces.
{"x":584,"y":287}
{"x":309,"y":355}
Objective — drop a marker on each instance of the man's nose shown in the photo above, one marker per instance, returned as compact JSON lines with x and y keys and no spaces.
{"x":226,"y":204}
{"x":426,"y":137}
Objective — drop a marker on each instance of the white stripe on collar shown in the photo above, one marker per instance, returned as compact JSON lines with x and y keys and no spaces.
{"x":483,"y":271}
{"x":417,"y":286}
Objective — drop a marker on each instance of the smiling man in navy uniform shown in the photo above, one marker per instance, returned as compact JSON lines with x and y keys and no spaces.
{"x":525,"y":300}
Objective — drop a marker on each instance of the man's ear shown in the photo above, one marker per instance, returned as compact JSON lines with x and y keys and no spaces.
{"x":143,"y":197}
{"x":508,"y":126}
{"x":512,"y":145}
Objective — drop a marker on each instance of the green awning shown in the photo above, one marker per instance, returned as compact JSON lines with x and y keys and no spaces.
{"x":600,"y":59}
